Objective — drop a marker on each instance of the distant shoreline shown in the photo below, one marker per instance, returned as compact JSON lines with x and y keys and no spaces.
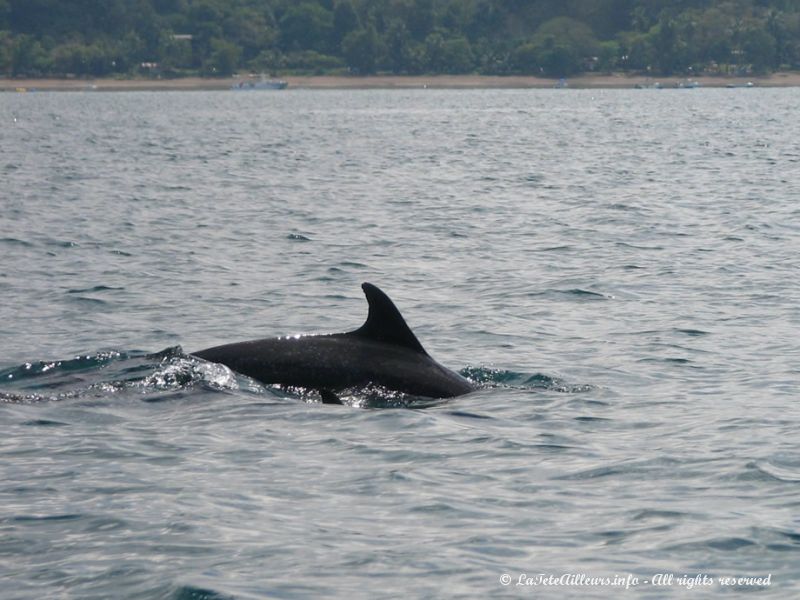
{"x":328,"y":82}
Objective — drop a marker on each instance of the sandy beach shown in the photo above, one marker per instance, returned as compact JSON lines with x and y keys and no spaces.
{"x":785,"y":79}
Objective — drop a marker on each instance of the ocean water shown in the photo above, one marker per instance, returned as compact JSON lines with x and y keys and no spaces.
{"x":616,"y":270}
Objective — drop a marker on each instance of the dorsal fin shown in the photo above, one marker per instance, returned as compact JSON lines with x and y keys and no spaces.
{"x":385,"y":323}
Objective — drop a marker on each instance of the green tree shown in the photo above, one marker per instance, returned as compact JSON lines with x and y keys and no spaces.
{"x":267,"y":61}
{"x":567,"y":32}
{"x":558,"y":48}
{"x":420,"y":19}
{"x":448,"y":55}
{"x":455,"y":56}
{"x":398,"y":48}
{"x":608,"y":56}
{"x":306,"y":26}
{"x":174,"y":53}
{"x":759,"y":49}
{"x":249,"y":29}
{"x":5,"y":13}
{"x":224,"y":58}
{"x":487,"y":19}
{"x":433,"y":50}
{"x":345,"y":20}
{"x":131,"y":51}
{"x":525,"y":59}
{"x":643,"y":17}
{"x":144,"y":23}
{"x":457,"y":15}
{"x":791,"y":48}
{"x":6,"y":52}
{"x":402,"y":53}
{"x":558,"y":37}
{"x":37,"y":17}
{"x":309,"y":61}
{"x":70,"y":59}
{"x":99,"y":59}
{"x":361,"y":50}
{"x":205,"y":24}
{"x":636,"y":51}
{"x":558,"y":60}
{"x":170,"y":6}
{"x":493,"y":58}
{"x":711,"y":39}
{"x":665,"y":44}
{"x":29,"y":57}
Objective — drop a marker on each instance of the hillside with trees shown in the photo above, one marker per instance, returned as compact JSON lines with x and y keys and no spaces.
{"x":555,"y":38}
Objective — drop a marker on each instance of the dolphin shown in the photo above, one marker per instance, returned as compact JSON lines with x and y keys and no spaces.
{"x":382,"y":352}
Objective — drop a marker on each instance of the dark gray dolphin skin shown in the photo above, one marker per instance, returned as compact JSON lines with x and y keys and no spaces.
{"x":382,"y":352}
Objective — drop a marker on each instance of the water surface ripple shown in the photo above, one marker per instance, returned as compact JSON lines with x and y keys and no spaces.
{"x":617,"y":269}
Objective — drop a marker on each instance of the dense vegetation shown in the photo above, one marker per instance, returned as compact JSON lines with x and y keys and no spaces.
{"x":548,"y":37}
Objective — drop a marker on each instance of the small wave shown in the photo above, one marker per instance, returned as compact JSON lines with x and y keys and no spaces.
{"x":469,"y":415}
{"x":191,"y":592}
{"x":577,"y":294}
{"x":62,"y":243}
{"x":171,"y":374}
{"x":724,"y":544}
{"x":353,"y":265}
{"x":563,"y":248}
{"x":586,"y":294}
{"x":44,"y":423}
{"x":775,"y":470}
{"x":42,"y":518}
{"x":89,"y":300}
{"x":628,"y":470}
{"x":16,"y":242}
{"x":78,"y":363}
{"x":586,"y":419}
{"x":182,"y":372}
{"x":668,"y":360}
{"x":149,"y":376}
{"x":691,"y":332}
{"x":96,"y":288}
{"x":370,"y":396}
{"x":637,"y":247}
{"x":647,"y":514}
{"x":7,"y":398}
{"x":489,"y":376}
{"x":485,"y":377}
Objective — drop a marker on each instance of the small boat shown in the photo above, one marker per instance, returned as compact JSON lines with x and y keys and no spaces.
{"x":260,"y":84}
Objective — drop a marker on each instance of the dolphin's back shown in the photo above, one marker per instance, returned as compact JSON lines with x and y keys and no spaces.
{"x":337,"y":362}
{"x":383,"y":352}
